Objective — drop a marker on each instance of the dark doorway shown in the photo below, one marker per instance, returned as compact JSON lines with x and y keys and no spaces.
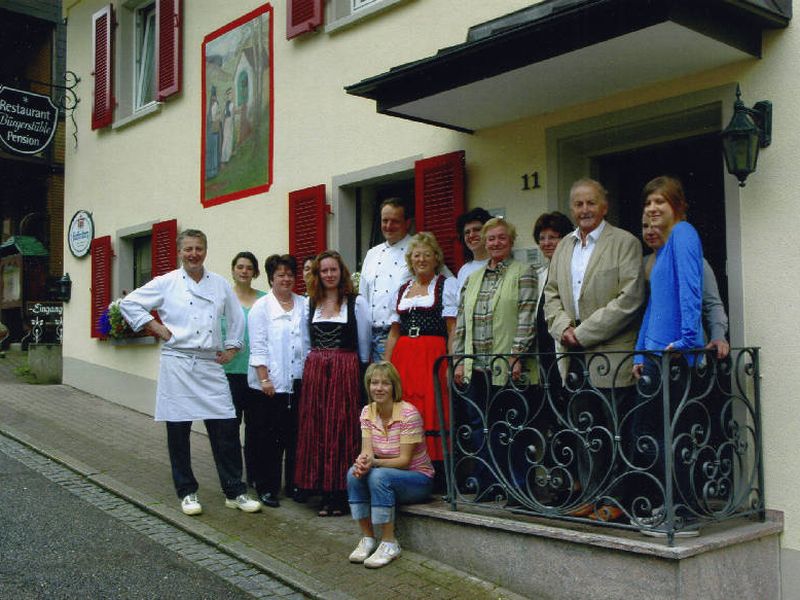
{"x":697,"y":162}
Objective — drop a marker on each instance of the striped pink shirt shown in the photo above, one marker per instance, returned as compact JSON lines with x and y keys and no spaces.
{"x":405,"y":427}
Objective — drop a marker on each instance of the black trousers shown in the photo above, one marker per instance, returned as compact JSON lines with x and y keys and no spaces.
{"x":223,"y":434}
{"x":280,"y":442}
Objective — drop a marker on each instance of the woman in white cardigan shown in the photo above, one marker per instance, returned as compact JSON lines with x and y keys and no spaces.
{"x":279,"y":343}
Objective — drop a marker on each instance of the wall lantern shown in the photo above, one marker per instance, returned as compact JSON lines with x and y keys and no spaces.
{"x":749,"y":130}
{"x":64,"y":289}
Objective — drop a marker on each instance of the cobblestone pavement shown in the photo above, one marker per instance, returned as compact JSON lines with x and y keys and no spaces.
{"x":125,"y":452}
{"x":159,"y":574}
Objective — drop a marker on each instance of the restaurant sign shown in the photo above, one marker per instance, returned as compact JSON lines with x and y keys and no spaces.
{"x":28,"y":121}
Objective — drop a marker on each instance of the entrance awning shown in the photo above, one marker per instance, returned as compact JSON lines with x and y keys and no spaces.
{"x":558,"y":53}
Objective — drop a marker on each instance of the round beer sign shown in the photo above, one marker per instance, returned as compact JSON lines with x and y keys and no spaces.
{"x":80,"y":234}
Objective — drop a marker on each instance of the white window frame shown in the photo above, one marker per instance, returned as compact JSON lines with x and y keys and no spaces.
{"x":127,"y":67}
{"x":144,"y":40}
{"x":343,"y":13}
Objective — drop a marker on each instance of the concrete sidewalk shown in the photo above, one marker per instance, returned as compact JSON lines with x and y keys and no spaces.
{"x":126,"y":452}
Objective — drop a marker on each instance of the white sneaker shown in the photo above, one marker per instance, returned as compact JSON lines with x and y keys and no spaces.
{"x":365,"y":547}
{"x":386,"y":553}
{"x":243,"y":502}
{"x":190,"y":505}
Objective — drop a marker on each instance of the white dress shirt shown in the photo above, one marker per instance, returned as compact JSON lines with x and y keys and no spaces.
{"x":384,"y":270}
{"x":468,"y":269}
{"x":279,"y":340}
{"x":580,"y":260}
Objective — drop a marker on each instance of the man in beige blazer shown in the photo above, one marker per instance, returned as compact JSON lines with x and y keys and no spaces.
{"x":595,"y":291}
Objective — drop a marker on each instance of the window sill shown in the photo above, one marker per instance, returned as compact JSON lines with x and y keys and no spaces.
{"x":133,"y":341}
{"x":359,"y":15}
{"x":146,"y":110}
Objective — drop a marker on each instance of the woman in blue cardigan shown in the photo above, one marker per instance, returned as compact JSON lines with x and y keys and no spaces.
{"x":672,"y":322}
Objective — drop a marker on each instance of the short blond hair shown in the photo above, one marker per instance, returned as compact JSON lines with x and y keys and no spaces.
{"x":499,"y":222}
{"x":425,"y":238}
{"x":387,"y":368}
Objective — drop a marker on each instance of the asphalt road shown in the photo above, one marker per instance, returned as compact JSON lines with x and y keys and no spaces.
{"x":54,"y":544}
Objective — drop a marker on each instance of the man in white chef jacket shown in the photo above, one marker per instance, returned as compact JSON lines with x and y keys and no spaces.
{"x":191,"y":382}
{"x":384,"y":270}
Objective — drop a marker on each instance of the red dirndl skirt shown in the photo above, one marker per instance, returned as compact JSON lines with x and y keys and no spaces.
{"x":329,"y":430}
{"x":413,"y":357}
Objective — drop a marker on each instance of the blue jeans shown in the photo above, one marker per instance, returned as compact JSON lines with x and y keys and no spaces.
{"x":382,"y":489}
{"x":223,"y":434}
{"x":379,"y":336}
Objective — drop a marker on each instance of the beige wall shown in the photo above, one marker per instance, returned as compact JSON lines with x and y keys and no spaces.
{"x":149,"y":171}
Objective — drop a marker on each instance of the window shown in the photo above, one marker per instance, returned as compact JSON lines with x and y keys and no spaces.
{"x":145,"y":251}
{"x":144,"y":56}
{"x":356,"y":5}
{"x":138,"y":63}
{"x":142,"y":259}
{"x":341,"y":13}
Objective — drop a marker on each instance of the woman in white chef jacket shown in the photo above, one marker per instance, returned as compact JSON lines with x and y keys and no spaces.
{"x":191,"y":382}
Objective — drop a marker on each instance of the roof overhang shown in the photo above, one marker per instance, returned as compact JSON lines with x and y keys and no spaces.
{"x":558,"y":53}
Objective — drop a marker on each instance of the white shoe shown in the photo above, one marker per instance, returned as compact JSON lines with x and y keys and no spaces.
{"x":386,"y":553}
{"x":365,"y":547}
{"x":243,"y":502}
{"x":190,"y":505}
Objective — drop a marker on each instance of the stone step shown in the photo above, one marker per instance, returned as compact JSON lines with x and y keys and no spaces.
{"x":544,"y":559}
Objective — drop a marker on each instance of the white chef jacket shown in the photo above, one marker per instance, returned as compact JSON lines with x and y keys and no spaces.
{"x":279,"y":340}
{"x":191,"y":385}
{"x":384,"y":270}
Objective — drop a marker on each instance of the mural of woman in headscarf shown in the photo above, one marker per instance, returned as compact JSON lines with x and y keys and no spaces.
{"x":213,"y":131}
{"x":227,"y":127}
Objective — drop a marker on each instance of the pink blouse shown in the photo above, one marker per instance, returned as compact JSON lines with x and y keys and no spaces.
{"x":404,"y":427}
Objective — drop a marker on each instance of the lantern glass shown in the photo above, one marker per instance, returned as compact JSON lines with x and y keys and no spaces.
{"x":740,"y":143}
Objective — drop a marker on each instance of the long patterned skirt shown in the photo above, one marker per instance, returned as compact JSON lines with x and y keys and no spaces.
{"x":329,"y":433}
{"x":413,"y":358}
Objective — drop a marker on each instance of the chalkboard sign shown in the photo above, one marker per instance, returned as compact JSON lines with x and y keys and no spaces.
{"x":46,"y":319}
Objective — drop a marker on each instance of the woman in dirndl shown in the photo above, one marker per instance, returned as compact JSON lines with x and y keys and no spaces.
{"x":423,"y":321}
{"x":330,"y":398}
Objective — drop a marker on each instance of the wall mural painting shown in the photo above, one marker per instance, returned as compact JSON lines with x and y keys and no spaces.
{"x":236,"y":155}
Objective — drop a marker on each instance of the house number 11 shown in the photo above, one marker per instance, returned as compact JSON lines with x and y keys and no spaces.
{"x":531,"y":182}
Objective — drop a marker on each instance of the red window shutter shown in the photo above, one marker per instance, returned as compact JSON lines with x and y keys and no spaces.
{"x":103,"y":69}
{"x":169,"y":47}
{"x":164,"y":247}
{"x":303,"y":16}
{"x":307,"y":229}
{"x":101,"y":280}
{"x":439,"y":192}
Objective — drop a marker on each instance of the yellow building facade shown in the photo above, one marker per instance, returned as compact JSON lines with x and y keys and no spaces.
{"x":611,"y":94}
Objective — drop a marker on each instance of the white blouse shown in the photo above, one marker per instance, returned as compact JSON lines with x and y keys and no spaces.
{"x":449,"y":299}
{"x":468,"y":269}
{"x":279,"y":340}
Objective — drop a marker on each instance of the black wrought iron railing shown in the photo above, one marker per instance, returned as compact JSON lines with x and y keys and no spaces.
{"x":577,"y":437}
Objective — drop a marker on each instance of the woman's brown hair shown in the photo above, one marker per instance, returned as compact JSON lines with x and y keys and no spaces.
{"x":672,"y":190}
{"x":316,"y":291}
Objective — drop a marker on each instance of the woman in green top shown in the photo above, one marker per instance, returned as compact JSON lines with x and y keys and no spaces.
{"x":248,"y":403}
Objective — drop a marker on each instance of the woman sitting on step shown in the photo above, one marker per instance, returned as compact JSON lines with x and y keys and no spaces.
{"x":392,"y":468}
